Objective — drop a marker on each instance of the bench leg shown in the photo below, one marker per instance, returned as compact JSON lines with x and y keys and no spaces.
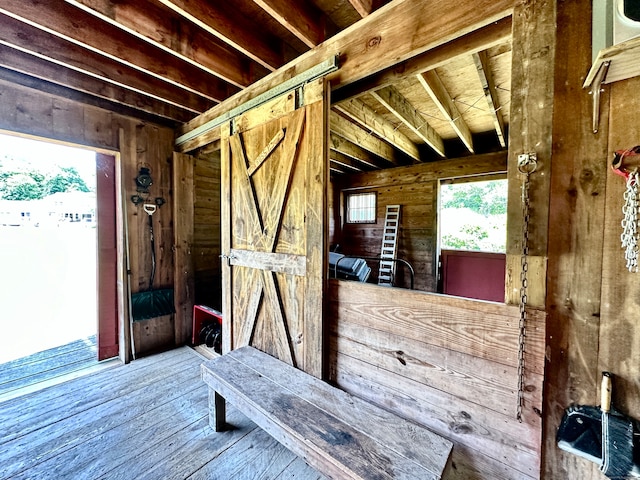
{"x":217,"y":411}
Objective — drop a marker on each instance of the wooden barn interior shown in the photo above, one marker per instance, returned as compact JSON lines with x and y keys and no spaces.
{"x":257,"y":119}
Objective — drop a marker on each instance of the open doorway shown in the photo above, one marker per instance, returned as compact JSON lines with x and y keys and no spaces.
{"x":49,"y":252}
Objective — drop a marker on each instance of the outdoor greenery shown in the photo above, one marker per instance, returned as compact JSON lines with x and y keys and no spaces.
{"x":21,"y":180}
{"x":473,"y":216}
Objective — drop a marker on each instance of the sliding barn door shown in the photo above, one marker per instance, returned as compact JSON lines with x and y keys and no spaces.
{"x":274,"y":175}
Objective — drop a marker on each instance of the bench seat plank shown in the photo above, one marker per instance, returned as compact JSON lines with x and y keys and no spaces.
{"x":336,"y":433}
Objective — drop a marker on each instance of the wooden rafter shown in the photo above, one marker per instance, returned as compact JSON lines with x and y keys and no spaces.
{"x":367,"y":118}
{"x":355,"y":134}
{"x":301,"y":18}
{"x":363,"y":7}
{"x":49,"y":48}
{"x":345,"y":162}
{"x":489,"y":87}
{"x":388,"y":45}
{"x":356,"y":152}
{"x":391,"y":98}
{"x":489,"y":36}
{"x":61,"y":82}
{"x":232,"y":29}
{"x":437,"y":91}
{"x":154,"y":24}
{"x":72,"y":24}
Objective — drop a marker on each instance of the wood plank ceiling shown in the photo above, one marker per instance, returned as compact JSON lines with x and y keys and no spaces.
{"x":169,"y":60}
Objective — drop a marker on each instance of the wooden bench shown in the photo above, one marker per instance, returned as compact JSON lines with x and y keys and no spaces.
{"x":339,"y":435}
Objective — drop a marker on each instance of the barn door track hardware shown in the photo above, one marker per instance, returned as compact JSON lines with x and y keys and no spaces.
{"x":626,"y":163}
{"x":602,"y":435}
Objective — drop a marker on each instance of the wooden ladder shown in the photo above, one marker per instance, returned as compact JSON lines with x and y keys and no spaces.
{"x":389,"y":246}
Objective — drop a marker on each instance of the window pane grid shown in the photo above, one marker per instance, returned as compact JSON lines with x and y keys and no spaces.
{"x":361,"y":208}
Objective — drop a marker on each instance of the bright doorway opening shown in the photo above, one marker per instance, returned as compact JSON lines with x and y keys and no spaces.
{"x":48,"y":248}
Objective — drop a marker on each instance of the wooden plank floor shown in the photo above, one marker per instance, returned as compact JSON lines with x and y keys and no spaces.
{"x":42,"y":367}
{"x":145,"y":420}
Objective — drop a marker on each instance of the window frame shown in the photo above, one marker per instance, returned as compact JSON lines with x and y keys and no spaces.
{"x":373,"y":208}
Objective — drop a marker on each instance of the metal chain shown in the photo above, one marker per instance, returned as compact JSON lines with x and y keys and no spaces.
{"x":526,"y":165}
{"x":629,"y":236}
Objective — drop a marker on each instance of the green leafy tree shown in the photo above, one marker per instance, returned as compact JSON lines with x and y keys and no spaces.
{"x":474,"y":216}
{"x":21,"y":181}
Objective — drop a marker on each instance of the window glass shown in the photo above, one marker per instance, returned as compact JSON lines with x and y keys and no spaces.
{"x":361,"y":208}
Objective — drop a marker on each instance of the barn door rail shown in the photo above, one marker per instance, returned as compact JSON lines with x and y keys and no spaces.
{"x":318,"y":71}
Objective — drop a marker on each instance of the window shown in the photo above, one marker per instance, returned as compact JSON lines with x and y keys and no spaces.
{"x":361,"y":208}
{"x":473,"y":216}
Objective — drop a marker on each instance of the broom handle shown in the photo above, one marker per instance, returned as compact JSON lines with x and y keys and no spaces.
{"x":605,"y":393}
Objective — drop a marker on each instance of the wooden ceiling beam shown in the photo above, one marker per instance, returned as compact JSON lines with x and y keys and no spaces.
{"x":438,"y":92}
{"x":377,"y":43}
{"x":491,"y":95}
{"x":302,"y":19}
{"x":345,"y":161}
{"x":37,"y":43}
{"x":64,"y":83}
{"x":352,"y":132}
{"x":232,"y":29}
{"x":356,"y":152}
{"x":368,"y":119}
{"x":391,"y":98}
{"x":337,"y":168}
{"x":489,"y":36}
{"x":161,"y":28}
{"x":72,"y":24}
{"x":364,"y":7}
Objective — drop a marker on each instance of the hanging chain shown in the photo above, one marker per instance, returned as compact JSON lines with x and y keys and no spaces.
{"x":526,"y":165}
{"x":629,"y":237}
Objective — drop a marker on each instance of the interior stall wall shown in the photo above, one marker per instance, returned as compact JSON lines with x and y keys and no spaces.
{"x":206,"y":241}
{"x":415,"y":188}
{"x":447,"y":363}
{"x":28,"y":111}
{"x":619,"y":333}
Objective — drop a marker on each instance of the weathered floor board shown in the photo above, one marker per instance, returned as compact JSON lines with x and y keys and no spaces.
{"x":48,"y":364}
{"x":145,"y":420}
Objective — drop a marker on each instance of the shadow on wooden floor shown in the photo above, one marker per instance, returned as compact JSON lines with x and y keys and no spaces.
{"x":145,"y":420}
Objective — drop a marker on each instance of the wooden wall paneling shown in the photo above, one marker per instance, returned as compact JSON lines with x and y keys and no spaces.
{"x":183,"y":228}
{"x":577,"y":210}
{"x":466,"y":424}
{"x":154,"y":148}
{"x":619,"y":338}
{"x":447,"y":363}
{"x":483,"y":329}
